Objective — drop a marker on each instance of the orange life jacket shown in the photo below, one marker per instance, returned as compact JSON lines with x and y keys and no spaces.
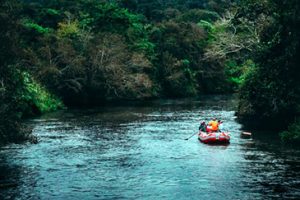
{"x":214,"y":125}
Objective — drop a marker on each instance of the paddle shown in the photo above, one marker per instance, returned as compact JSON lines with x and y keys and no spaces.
{"x":191,"y":136}
{"x":243,"y":133}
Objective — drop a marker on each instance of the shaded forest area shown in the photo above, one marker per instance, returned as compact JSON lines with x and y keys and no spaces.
{"x":87,"y":52}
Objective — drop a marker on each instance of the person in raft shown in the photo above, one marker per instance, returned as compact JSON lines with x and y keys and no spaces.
{"x":213,"y":125}
{"x":202,"y":127}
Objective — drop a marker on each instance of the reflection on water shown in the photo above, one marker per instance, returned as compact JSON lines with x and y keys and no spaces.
{"x":139,"y":152}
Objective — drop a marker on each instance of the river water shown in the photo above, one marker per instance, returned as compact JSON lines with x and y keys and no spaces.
{"x":140,"y":152}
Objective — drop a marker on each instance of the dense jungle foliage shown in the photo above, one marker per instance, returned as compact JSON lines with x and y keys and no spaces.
{"x":270,"y":95}
{"x":87,"y":52}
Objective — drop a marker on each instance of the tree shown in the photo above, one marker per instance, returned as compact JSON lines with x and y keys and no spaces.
{"x":10,"y":79}
{"x":271,"y":93}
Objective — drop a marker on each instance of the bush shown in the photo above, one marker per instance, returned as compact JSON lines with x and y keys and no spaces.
{"x":196,"y":15}
{"x":236,"y":74}
{"x":35,"y":27}
{"x":292,"y":135}
{"x":35,"y":99}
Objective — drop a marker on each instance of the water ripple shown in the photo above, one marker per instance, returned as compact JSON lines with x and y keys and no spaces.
{"x":129,"y":152}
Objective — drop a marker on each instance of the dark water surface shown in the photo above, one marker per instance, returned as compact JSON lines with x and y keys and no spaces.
{"x":139,"y":152}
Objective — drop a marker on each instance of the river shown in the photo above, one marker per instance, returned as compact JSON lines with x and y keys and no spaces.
{"x":140,"y":152}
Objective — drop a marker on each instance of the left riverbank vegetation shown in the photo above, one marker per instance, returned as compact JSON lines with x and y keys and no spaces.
{"x":87,"y":52}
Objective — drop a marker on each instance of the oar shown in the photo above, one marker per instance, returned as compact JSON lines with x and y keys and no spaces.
{"x":191,"y":136}
{"x":243,"y":133}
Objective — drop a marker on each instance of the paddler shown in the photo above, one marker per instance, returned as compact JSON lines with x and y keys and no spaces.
{"x":202,"y":127}
{"x":213,"y":125}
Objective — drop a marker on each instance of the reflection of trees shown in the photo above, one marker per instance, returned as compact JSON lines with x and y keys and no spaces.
{"x":12,"y":178}
{"x":271,"y":168}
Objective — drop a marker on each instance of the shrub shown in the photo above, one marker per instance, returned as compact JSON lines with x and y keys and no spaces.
{"x":292,"y":134}
{"x":35,"y":27}
{"x":35,"y":98}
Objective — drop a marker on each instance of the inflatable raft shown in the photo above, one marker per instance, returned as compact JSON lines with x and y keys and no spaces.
{"x":214,"y":137}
